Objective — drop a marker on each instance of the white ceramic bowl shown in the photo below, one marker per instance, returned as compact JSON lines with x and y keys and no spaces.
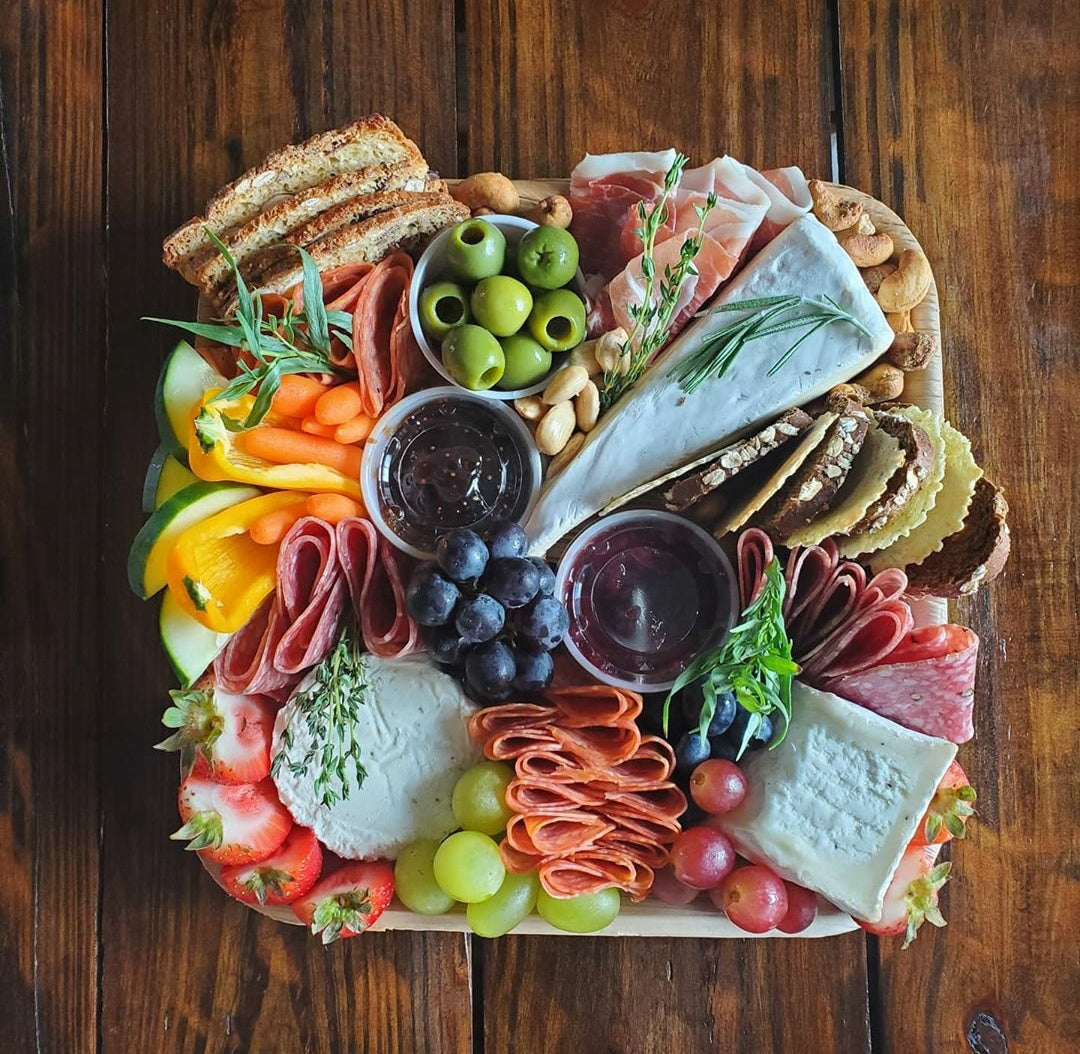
{"x":432,"y":268}
{"x":707,"y":547}
{"x":387,"y":426}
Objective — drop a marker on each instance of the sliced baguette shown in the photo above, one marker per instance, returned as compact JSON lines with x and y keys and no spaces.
{"x":372,"y":140}
{"x":208,"y":267}
{"x":405,"y":227}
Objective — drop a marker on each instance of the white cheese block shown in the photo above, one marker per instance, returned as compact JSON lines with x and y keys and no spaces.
{"x":657,"y":427}
{"x":835,"y":805}
{"x":414,"y":744}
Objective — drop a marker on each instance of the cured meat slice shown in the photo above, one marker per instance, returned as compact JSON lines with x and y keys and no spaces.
{"x":555,"y":833}
{"x":753,"y":553}
{"x":861,"y":642}
{"x":376,"y":320}
{"x":532,"y":795}
{"x":611,"y":742}
{"x":375,"y":583}
{"x":640,"y":848}
{"x":245,"y":665}
{"x":926,"y":684}
{"x":595,"y":869}
{"x":594,"y":704}
{"x":493,"y":720}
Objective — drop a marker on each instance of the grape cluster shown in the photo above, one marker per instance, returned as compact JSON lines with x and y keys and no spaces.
{"x":488,"y":612}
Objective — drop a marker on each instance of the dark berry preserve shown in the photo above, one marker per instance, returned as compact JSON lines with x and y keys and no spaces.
{"x":646,"y":592}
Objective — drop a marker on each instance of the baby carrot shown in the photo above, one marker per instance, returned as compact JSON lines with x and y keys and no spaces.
{"x":332,"y":508}
{"x":283,"y":446}
{"x":339,"y":404}
{"x":271,"y":527}
{"x":297,"y":395}
{"x":354,"y":431}
{"x":312,"y":427}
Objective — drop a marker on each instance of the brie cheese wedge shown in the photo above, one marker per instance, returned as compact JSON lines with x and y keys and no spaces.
{"x":835,"y":805}
{"x":656,"y":427}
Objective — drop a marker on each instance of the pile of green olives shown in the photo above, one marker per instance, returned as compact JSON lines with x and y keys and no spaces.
{"x":500,"y":314}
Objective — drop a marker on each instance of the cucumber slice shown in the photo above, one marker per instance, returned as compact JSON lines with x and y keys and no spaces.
{"x":146,"y":561}
{"x":184,"y":378}
{"x":189,"y":645}
{"x":165,"y":476}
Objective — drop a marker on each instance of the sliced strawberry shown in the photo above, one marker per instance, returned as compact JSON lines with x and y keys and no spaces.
{"x":348,"y":900}
{"x":227,"y":735}
{"x":281,"y":878}
{"x":912,"y":896}
{"x":229,"y":823}
{"x":949,"y":810}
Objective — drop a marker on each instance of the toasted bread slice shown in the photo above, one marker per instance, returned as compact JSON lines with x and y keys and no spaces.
{"x":372,"y":140}
{"x":405,"y":227}
{"x":273,"y":224}
{"x":973,"y":555}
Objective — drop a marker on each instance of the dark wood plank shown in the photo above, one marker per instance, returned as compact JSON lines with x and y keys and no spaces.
{"x":52,"y":330}
{"x":196,"y":93}
{"x":963,"y":117}
{"x":550,"y":79}
{"x":546,"y":82}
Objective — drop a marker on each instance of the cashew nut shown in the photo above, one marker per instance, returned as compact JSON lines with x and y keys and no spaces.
{"x":565,"y":384}
{"x":487,"y":190}
{"x":912,"y":351}
{"x":899,"y":321}
{"x":835,"y":212}
{"x":867,"y":250}
{"x":881,"y":383}
{"x":907,"y":285}
{"x":553,"y":211}
{"x":874,"y":276}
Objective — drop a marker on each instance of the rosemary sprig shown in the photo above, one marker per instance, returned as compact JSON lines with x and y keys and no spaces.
{"x":754,"y":662}
{"x":329,"y":709}
{"x":652,"y":317}
{"x":297,"y":342}
{"x":719,"y":351}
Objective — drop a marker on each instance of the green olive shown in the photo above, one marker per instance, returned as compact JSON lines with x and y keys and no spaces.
{"x":443,"y":306}
{"x":501,"y":304}
{"x":547,"y":257}
{"x":475,"y":249}
{"x":526,"y":362}
{"x":473,"y":357}
{"x":557,"y":321}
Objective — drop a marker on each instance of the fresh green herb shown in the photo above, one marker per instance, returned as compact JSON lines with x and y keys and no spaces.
{"x":297,"y":342}
{"x":754,"y":662}
{"x":652,"y":317}
{"x":329,"y":709}
{"x":198,"y":724}
{"x":718,"y":352}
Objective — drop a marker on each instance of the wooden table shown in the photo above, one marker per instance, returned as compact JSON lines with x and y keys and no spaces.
{"x":120,"y":118}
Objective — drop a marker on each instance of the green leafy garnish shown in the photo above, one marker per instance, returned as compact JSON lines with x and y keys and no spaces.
{"x":329,"y":709}
{"x":652,"y":317}
{"x":198,"y":723}
{"x":297,"y":342}
{"x":754,"y":663}
{"x":718,"y":352}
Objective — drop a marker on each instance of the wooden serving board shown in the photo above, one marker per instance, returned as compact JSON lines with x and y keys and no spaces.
{"x":701,"y":919}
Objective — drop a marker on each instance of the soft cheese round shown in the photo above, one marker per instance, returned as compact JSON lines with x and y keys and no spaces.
{"x":414,"y":744}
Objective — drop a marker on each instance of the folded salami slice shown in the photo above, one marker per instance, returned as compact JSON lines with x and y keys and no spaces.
{"x":377,"y":331}
{"x":245,"y":664}
{"x":375,"y":583}
{"x":532,"y":795}
{"x":594,"y":704}
{"x":861,"y":642}
{"x":594,"y":869}
{"x":613,"y":743}
{"x":926,"y":684}
{"x":556,"y":833}
{"x":754,"y":553}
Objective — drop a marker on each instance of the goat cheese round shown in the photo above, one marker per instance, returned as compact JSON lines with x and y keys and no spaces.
{"x":411,"y":727}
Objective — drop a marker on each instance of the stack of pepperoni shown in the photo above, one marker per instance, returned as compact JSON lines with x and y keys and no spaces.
{"x":593,"y":802}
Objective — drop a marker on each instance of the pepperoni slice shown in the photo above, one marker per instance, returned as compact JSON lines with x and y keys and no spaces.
{"x":375,"y":320}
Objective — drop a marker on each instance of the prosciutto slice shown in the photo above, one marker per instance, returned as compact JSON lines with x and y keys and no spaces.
{"x":375,"y":583}
{"x":927,"y":683}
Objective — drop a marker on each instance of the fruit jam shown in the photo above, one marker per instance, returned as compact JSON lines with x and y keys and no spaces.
{"x":646,"y":592}
{"x":452,"y":462}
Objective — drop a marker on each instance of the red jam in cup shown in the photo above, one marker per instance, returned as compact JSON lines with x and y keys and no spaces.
{"x":647,"y":592}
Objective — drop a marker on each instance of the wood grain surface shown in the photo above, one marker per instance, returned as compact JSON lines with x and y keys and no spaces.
{"x":961,"y":116}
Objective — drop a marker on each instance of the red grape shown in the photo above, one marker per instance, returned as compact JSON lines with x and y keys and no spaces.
{"x":718,"y":785}
{"x":669,"y":890}
{"x":753,"y":897}
{"x":802,"y":909}
{"x":701,"y":857}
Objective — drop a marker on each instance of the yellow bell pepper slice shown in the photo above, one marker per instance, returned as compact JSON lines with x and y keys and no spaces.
{"x":217,"y":574}
{"x":215,"y":453}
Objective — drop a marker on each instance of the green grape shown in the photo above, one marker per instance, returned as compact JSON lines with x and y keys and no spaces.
{"x":414,"y":879}
{"x":479,"y":800}
{"x":499,"y":914}
{"x":468,"y":867}
{"x":584,"y":914}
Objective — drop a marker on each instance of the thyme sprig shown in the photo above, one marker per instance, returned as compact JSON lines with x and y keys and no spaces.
{"x":652,"y":317}
{"x":295,"y":342}
{"x":329,"y":709}
{"x":765,"y":318}
{"x":754,"y":663}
